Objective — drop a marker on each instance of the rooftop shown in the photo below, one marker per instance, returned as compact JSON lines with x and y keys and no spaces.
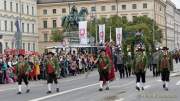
{"x":57,"y":1}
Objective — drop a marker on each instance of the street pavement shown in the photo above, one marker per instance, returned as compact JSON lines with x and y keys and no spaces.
{"x":85,"y":88}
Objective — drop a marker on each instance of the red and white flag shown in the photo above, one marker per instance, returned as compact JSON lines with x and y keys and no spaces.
{"x":118,"y":36}
{"x":83,"y":32}
{"x":102,"y":33}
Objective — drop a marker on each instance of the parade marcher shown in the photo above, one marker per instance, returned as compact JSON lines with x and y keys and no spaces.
{"x":104,"y":66}
{"x":140,"y":63}
{"x":165,"y":66}
{"x":120,"y":63}
{"x":22,"y":71}
{"x":108,"y":52}
{"x":52,"y":70}
{"x":128,"y":63}
{"x":155,"y":60}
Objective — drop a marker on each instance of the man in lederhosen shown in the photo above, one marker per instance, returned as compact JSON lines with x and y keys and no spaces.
{"x":165,"y":66}
{"x":52,"y":70}
{"x":140,"y":63}
{"x":104,"y":65}
{"x":22,"y":71}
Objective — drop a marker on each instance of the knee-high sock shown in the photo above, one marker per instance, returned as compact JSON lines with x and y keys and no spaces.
{"x":107,"y":83}
{"x":27,"y":86}
{"x":20,"y":88}
{"x":142,"y":85}
{"x":138,"y":84}
{"x":167,"y":84}
{"x":101,"y":84}
{"x":49,"y":86}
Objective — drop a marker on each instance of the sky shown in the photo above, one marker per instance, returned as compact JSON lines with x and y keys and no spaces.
{"x":177,"y":3}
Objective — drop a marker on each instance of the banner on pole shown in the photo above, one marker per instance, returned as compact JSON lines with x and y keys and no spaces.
{"x":118,"y":36}
{"x":102,"y":33}
{"x":83,"y":32}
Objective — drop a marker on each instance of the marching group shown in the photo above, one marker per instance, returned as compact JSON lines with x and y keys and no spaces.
{"x":108,"y":60}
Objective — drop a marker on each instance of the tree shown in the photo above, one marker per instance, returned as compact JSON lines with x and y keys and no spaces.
{"x":57,"y":35}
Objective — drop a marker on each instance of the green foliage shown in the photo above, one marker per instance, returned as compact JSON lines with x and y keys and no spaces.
{"x":57,"y":35}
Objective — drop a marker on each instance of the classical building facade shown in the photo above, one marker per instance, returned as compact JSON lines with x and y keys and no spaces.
{"x":170,"y":24}
{"x":50,"y":12}
{"x":26,"y":10}
{"x":177,"y":28}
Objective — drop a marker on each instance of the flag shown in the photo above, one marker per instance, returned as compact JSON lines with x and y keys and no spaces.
{"x":118,"y":36}
{"x":102,"y":33}
{"x":83,"y":32}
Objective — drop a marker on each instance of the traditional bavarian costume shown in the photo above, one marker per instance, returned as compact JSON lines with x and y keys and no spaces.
{"x":52,"y":70}
{"x":140,"y":68}
{"x":103,"y":69}
{"x":22,"y":71}
{"x":165,"y":66}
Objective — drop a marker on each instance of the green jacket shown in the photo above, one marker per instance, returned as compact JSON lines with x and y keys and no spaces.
{"x":22,"y":70}
{"x":170,"y":60}
{"x":54,"y":62}
{"x":107,"y":62}
{"x":140,"y":62}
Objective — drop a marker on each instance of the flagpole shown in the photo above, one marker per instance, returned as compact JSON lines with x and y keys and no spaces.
{"x":110,"y":38}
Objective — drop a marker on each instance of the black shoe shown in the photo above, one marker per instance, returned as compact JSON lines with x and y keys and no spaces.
{"x":137,"y":88}
{"x":166,"y":89}
{"x":28,"y":90}
{"x":107,"y":88}
{"x":100,"y":89}
{"x":49,"y":92}
{"x":19,"y":93}
{"x":142,"y":88}
{"x":164,"y":86}
{"x":57,"y":89}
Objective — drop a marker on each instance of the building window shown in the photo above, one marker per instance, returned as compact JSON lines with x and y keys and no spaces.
{"x":144,"y":5}
{"x":134,"y":6}
{"x":5,"y":25}
{"x":45,"y":12}
{"x":22,"y":27}
{"x":17,"y":7}
{"x":54,"y":11}
{"x":54,"y":24}
{"x":5,"y":5}
{"x":124,"y":17}
{"x":6,"y":44}
{"x":45,"y":24}
{"x":113,"y":7}
{"x":33,"y":28}
{"x":134,"y":18}
{"x":160,"y":8}
{"x":11,"y":8}
{"x":103,"y":8}
{"x":33,"y":11}
{"x":93,"y":9}
{"x":34,"y":47}
{"x":22,"y":6}
{"x":11,"y":26}
{"x":28,"y":28}
{"x":24,"y":46}
{"x":27,"y":10}
{"x":29,"y":46}
{"x":64,"y":10}
{"x":123,"y":7}
{"x":45,"y":37}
